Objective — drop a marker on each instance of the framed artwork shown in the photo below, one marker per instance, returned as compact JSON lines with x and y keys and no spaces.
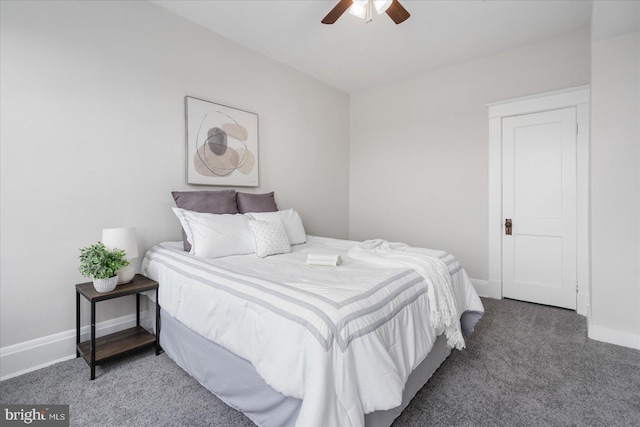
{"x":222,"y":144}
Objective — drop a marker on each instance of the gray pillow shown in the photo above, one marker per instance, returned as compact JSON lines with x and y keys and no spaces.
{"x":248,"y":202}
{"x":215,"y":202}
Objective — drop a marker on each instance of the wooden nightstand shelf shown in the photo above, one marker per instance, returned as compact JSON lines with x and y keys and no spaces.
{"x":97,"y":350}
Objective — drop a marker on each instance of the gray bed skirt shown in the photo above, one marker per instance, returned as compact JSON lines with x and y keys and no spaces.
{"x":236,"y":382}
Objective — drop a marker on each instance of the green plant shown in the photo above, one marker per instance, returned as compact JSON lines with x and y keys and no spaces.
{"x":98,"y":262}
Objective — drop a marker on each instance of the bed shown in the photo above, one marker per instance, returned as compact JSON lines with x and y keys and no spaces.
{"x":291,"y":344}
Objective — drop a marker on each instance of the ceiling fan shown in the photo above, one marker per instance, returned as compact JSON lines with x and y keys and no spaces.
{"x":364,"y":9}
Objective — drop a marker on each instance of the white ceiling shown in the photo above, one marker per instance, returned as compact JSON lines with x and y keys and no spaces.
{"x":351,"y":55}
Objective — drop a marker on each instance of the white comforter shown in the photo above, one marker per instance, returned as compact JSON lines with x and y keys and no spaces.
{"x":343,"y":340}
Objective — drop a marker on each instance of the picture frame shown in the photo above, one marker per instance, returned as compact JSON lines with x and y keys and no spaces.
{"x":221,"y":144}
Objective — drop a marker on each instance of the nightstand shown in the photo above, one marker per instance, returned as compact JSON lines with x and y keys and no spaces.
{"x":98,"y":350}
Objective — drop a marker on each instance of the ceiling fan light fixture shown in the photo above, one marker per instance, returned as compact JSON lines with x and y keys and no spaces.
{"x":363,"y":9}
{"x":381,"y":5}
{"x":359,"y":8}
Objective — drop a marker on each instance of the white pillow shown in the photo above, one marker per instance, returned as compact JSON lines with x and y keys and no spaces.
{"x":270,"y":237}
{"x":292,"y":223}
{"x":216,"y":235}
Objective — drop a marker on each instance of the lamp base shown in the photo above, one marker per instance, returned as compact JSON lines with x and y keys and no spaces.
{"x":126,"y":274}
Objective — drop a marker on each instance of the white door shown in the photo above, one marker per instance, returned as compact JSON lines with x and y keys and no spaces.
{"x":539,"y":199}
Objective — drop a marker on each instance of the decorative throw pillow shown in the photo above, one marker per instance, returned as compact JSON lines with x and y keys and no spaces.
{"x":213,"y":202}
{"x":270,"y":237}
{"x":292,"y":223}
{"x":214,"y":236}
{"x":248,"y":202}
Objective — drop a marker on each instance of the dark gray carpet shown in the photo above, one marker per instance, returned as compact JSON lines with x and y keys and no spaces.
{"x":526,"y":365}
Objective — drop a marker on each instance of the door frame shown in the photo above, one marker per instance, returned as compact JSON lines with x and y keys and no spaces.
{"x":577,"y":97}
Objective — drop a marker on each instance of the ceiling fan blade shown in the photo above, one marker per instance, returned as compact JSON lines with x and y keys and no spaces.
{"x":337,"y":11}
{"x":397,"y":13}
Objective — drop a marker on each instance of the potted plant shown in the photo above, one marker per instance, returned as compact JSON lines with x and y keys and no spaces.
{"x":101,"y":264}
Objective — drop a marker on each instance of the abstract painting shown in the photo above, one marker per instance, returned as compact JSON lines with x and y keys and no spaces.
{"x":222,"y":144}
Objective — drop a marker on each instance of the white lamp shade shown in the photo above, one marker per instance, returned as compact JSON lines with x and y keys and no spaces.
{"x":381,"y":5}
{"x":359,"y":8}
{"x":121,"y":238}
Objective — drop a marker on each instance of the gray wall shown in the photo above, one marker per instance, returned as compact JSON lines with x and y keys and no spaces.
{"x":92,"y":111}
{"x":615,"y":173}
{"x":419,"y":147}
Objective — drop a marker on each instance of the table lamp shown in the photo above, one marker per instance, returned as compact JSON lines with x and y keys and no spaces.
{"x":122,"y":238}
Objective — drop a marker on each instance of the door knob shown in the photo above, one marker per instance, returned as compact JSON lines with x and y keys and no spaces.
{"x":507,"y":226}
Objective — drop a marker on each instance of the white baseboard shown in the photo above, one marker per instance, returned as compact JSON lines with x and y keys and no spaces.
{"x":39,"y":353}
{"x":487,"y":288}
{"x":612,"y":336}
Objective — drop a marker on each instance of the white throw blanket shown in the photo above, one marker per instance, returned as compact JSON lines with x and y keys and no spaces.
{"x":444,"y":313}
